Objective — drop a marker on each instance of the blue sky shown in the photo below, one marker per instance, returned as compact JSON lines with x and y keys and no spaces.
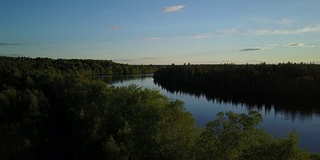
{"x":163,"y":31}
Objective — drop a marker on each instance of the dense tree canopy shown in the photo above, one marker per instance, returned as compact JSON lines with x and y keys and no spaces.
{"x":47,"y":112}
{"x":22,"y":66}
{"x":282,"y":83}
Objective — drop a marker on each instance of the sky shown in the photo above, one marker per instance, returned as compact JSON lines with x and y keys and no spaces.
{"x":163,"y":31}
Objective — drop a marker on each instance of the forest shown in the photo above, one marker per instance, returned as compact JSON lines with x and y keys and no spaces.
{"x":54,"y":109}
{"x":284,"y":84}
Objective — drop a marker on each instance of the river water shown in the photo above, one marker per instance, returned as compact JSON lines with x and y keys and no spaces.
{"x":276,"y":122}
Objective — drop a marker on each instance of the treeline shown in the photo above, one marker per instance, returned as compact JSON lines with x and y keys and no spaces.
{"x":279,"y":83}
{"x":79,"y":67}
{"x":53,"y":114}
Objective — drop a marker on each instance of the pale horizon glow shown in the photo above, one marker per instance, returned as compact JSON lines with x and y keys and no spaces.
{"x":163,"y":32}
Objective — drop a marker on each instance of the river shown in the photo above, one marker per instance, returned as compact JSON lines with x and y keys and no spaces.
{"x":276,"y":122}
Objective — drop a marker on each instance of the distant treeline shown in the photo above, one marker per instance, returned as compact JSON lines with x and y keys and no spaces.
{"x":281,"y":82}
{"x":50,"y":110}
{"x":80,"y":67}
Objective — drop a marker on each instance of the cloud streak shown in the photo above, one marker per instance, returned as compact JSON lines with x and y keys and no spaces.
{"x":286,"y":21}
{"x":258,"y":48}
{"x":13,"y":55}
{"x":173,"y":8}
{"x":250,"y":49}
{"x":122,"y":60}
{"x":190,"y":37}
{"x":149,"y":58}
{"x":113,"y":27}
{"x":264,"y":20}
{"x":313,"y":29}
{"x":298,"y":45}
{"x":228,"y":31}
{"x":198,"y":36}
{"x":9,"y":44}
{"x":154,"y":38}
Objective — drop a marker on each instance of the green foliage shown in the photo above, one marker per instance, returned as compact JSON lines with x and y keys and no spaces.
{"x":234,"y":136}
{"x":143,"y":124}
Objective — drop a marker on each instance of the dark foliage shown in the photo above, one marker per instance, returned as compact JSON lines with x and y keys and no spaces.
{"x":289,"y":84}
{"x":53,"y":109}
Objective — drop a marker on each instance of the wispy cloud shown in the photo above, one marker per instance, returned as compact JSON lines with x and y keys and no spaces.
{"x":122,"y":60}
{"x":271,"y":46}
{"x":297,"y":45}
{"x":173,"y":8}
{"x":149,"y":58}
{"x":9,"y":44}
{"x":264,"y":20}
{"x":13,"y":55}
{"x":190,"y":37}
{"x":250,"y":49}
{"x":253,"y":61}
{"x":154,"y":38}
{"x":228,"y":31}
{"x":113,"y":27}
{"x":198,"y":36}
{"x":286,"y":21}
{"x":258,"y":48}
{"x":309,"y":29}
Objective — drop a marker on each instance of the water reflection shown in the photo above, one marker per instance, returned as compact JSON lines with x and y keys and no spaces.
{"x":293,"y":107}
{"x":122,"y":78}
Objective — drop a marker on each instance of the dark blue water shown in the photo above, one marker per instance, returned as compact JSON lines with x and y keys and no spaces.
{"x":275,"y":122}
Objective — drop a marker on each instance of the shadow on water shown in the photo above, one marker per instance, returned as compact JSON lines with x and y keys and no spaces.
{"x":291,"y":108}
{"x":110,"y":79}
{"x":294,"y":108}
